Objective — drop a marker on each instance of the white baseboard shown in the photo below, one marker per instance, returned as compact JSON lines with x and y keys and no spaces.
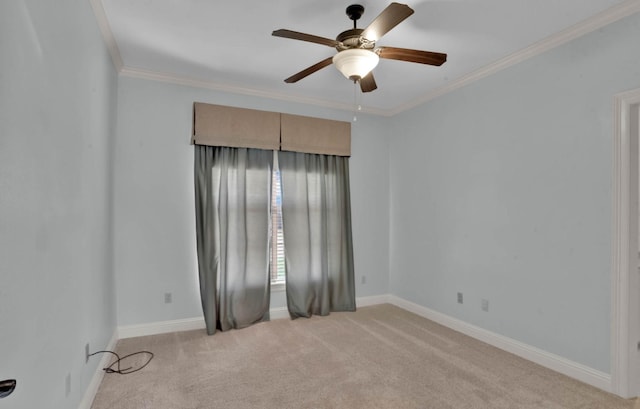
{"x":283,"y":312}
{"x":160,"y":327}
{"x":557,"y":363}
{"x":94,"y":385}
{"x":373,"y":300}
{"x":279,"y":313}
{"x":188,"y":324}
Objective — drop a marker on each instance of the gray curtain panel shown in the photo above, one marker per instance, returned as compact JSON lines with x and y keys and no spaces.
{"x":316,"y":213}
{"x":232,"y":192}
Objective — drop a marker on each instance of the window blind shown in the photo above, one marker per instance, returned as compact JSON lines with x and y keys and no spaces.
{"x":277,"y":235}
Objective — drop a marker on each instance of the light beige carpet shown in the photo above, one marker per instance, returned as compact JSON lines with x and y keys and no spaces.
{"x":377,"y":357}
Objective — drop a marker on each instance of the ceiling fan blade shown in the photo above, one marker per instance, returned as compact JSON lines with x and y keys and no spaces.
{"x":405,"y":54}
{"x":308,"y":71}
{"x":368,"y":83}
{"x":294,"y":35}
{"x":390,"y":17}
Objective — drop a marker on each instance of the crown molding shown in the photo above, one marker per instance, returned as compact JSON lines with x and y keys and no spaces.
{"x":107,"y":34}
{"x":600,"y":20}
{"x":236,"y":89}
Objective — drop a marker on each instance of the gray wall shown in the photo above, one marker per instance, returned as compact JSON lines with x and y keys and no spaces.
{"x":154,"y":199}
{"x":502,"y":190}
{"x":57,"y":119}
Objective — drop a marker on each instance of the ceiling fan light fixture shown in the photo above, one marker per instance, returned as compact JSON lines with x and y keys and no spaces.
{"x":355,"y":63}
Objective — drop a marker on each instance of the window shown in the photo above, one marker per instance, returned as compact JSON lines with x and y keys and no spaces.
{"x":277,"y":237}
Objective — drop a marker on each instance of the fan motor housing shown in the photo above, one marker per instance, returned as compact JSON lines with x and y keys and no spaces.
{"x":353,"y":39}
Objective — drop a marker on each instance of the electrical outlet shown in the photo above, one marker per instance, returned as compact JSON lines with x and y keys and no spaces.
{"x":67,"y":385}
{"x":485,"y":305}
{"x":459,"y":298}
{"x":363,"y":280}
{"x":86,"y":353}
{"x":168,"y":298}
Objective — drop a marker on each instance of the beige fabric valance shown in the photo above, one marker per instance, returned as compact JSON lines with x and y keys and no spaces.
{"x":315,"y":135}
{"x":217,"y":125}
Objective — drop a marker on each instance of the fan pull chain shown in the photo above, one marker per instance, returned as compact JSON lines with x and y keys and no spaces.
{"x":356,"y":107}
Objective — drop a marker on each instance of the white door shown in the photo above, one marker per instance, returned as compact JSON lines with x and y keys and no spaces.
{"x":625,"y":283}
{"x":634,"y":279}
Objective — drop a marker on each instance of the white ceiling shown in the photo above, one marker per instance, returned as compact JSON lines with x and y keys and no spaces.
{"x":228,"y":44}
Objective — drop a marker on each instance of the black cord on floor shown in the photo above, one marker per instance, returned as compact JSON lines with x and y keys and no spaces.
{"x":126,"y":371}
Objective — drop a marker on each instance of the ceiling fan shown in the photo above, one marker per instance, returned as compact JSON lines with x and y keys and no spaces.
{"x":357,"y":52}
